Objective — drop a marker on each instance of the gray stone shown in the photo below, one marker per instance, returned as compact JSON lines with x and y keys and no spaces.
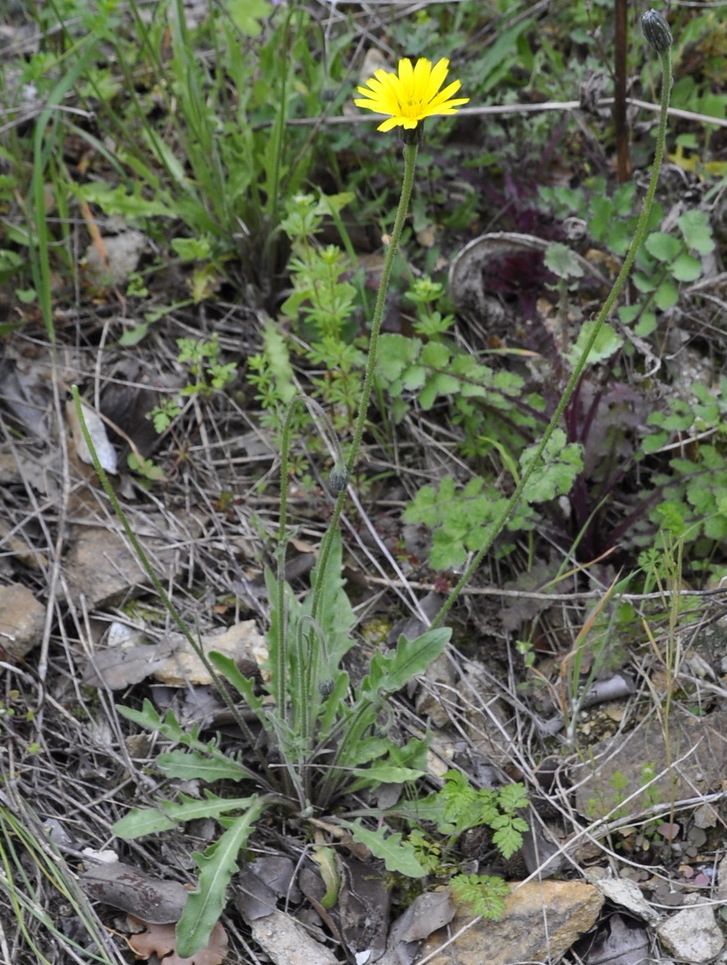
{"x":21,"y":621}
{"x":692,"y":935}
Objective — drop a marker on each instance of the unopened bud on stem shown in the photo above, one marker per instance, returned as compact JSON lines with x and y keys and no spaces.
{"x":656,"y":30}
{"x":338,"y":480}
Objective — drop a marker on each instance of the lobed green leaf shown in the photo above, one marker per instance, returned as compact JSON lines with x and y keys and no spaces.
{"x":396,"y":854}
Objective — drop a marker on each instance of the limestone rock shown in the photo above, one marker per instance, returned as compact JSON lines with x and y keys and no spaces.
{"x":692,"y":935}
{"x":288,"y":943}
{"x":21,"y":621}
{"x":542,"y":920}
{"x":102,"y":566}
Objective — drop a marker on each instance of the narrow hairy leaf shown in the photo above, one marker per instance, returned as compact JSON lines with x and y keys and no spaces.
{"x":334,"y":703}
{"x":242,"y":684}
{"x":335,"y":614}
{"x":195,"y":765}
{"x":142,"y":821}
{"x":327,"y":861}
{"x":150,"y":820}
{"x":387,"y":774}
{"x":429,"y":808}
{"x":217,"y":865}
{"x":149,"y":718}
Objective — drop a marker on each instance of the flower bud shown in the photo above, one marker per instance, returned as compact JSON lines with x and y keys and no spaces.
{"x":338,"y":480}
{"x":656,"y":30}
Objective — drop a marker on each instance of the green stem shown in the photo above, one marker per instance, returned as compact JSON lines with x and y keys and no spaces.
{"x":512,"y":504}
{"x":410,"y":155}
{"x":279,"y":657}
{"x":279,"y":128}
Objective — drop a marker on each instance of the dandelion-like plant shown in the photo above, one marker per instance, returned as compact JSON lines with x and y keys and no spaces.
{"x":408,"y":97}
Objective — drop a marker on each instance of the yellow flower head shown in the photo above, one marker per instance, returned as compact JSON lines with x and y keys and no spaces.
{"x":412,"y":94}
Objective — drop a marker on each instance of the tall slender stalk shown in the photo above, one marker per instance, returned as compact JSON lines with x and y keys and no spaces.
{"x":664,"y":51}
{"x":410,"y":155}
{"x":620,"y":123}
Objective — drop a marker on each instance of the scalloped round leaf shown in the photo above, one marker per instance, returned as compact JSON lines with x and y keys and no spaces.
{"x":697,"y":231}
{"x":686,"y":267}
{"x":666,"y":295}
{"x":662,"y":246}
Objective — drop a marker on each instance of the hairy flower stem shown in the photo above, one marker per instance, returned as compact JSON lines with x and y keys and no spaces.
{"x":497,"y":527}
{"x":280,"y":657}
{"x":410,"y":155}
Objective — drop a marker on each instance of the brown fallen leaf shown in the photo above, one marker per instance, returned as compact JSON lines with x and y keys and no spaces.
{"x":427,"y":913}
{"x":172,"y":661}
{"x":160,"y":940}
{"x":363,"y":907}
{"x":119,"y":668}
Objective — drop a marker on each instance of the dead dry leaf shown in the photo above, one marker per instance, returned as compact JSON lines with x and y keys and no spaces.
{"x":27,"y":392}
{"x":96,"y":428}
{"x":119,"y":668}
{"x":363,"y":906}
{"x":426,"y":914}
{"x":261,"y":883}
{"x":172,"y":661}
{"x":620,"y":941}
